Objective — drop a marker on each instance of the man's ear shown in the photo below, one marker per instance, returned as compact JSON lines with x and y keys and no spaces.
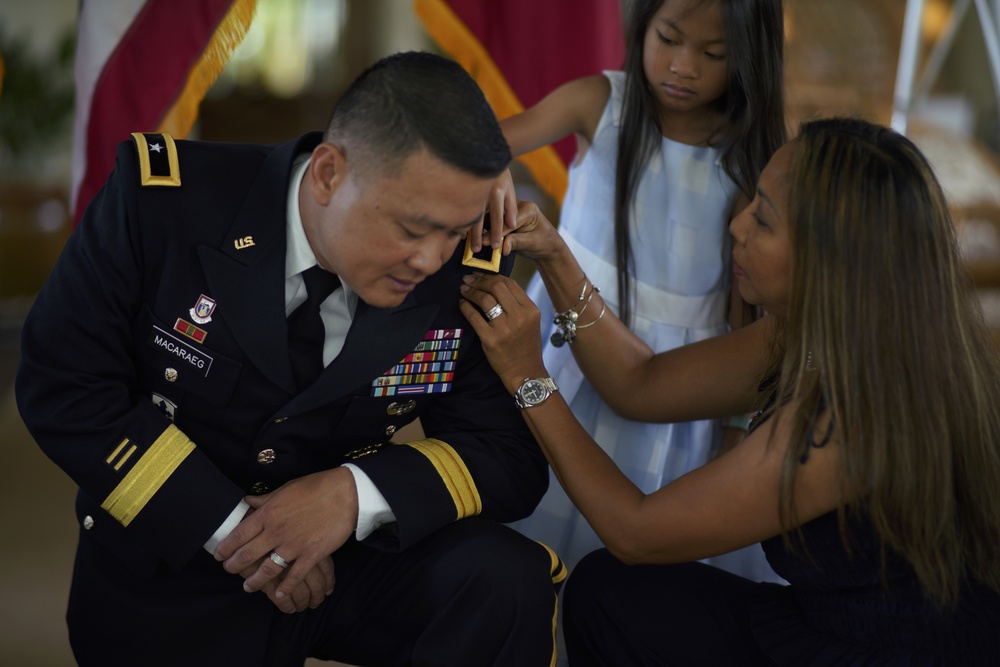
{"x":327,"y":171}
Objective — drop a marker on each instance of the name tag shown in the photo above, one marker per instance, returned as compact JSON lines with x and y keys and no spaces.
{"x":180,"y":350}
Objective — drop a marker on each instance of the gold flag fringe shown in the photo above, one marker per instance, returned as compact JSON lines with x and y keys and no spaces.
{"x":180,"y":117}
{"x":455,"y":39}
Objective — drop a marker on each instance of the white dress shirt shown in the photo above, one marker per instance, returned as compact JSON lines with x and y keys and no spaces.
{"x":337,"y":312}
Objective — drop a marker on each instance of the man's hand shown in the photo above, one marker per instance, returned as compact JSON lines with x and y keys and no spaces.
{"x":304,"y":521}
{"x":309,"y":594}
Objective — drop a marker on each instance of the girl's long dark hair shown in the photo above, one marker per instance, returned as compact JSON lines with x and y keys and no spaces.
{"x":753,"y":105}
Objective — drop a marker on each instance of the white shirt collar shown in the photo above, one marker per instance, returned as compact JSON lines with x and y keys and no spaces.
{"x":299,"y":255}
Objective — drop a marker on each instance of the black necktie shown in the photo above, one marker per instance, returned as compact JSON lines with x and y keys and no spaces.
{"x":305,"y":327}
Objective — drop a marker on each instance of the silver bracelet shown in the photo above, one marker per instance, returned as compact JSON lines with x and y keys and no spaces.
{"x":566,"y":321}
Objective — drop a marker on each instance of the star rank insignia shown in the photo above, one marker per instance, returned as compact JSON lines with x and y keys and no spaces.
{"x":158,"y":163}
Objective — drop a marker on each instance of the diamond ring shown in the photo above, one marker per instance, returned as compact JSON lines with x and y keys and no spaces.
{"x":494,"y":312}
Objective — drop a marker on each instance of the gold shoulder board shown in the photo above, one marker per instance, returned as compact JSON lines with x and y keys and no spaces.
{"x":487,"y":258}
{"x":157,"y":159}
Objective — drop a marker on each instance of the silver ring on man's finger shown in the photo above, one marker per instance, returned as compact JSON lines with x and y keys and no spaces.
{"x":278,"y":560}
{"x":494,"y":312}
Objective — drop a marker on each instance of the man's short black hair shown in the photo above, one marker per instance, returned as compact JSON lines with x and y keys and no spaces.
{"x":413,"y":100}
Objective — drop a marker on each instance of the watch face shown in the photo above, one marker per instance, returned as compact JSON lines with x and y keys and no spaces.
{"x":533,"y":392}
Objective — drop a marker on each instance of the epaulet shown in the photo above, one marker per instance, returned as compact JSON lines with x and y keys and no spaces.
{"x":158,"y":164}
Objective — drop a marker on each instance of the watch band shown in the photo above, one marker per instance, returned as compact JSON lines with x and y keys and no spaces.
{"x":534,"y":391}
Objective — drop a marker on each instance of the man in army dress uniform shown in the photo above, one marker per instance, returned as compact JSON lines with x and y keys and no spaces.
{"x":232,"y":448}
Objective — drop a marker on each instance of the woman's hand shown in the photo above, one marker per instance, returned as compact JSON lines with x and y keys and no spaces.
{"x":512,"y":338}
{"x":502,"y":212}
{"x":534,"y":236}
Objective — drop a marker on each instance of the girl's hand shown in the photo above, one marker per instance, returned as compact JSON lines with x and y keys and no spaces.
{"x":535,"y":237}
{"x":502,"y":212}
{"x":512,"y":340}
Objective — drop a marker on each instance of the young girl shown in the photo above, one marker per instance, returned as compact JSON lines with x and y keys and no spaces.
{"x":669,"y":149}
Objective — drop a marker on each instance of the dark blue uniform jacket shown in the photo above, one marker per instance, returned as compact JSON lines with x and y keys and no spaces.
{"x":166,"y":423}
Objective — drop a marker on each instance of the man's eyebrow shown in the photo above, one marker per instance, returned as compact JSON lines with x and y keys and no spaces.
{"x":427,"y":221}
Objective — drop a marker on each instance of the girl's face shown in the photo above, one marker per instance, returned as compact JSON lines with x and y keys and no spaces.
{"x":684,"y":54}
{"x":761,"y":246}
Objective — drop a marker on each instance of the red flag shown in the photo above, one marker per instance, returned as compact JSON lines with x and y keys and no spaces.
{"x":520,"y":50}
{"x":144,"y":66}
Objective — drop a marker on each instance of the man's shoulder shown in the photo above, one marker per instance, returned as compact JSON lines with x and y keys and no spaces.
{"x":462,"y":263}
{"x":161,"y":160}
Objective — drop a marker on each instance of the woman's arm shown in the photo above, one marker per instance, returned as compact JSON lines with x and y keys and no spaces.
{"x":714,"y":378}
{"x":728,"y":503}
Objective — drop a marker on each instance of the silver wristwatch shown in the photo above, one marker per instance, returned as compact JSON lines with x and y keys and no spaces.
{"x":534,"y":391}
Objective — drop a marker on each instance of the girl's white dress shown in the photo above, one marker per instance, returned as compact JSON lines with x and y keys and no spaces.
{"x":681,"y":244}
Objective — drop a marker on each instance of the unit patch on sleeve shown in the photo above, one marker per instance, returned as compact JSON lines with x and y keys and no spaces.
{"x":429,"y":369}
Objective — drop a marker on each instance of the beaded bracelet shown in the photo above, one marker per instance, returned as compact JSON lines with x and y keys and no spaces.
{"x":566,"y":321}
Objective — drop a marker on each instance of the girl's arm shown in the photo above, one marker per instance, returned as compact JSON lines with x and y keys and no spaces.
{"x":573,"y":108}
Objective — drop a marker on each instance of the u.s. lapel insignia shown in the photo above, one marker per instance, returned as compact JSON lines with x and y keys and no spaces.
{"x":244,"y":243}
{"x":429,"y":369}
{"x":487,"y":258}
{"x":202,"y":311}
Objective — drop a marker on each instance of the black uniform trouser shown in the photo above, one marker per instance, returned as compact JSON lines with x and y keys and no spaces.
{"x":474,"y":593}
{"x":687,"y":614}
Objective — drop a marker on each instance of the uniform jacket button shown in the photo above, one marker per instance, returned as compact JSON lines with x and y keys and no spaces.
{"x":390,"y":430}
{"x":170,"y":374}
{"x":265,"y":456}
{"x":280,"y":419}
{"x":259,"y":488}
{"x":88,"y":522}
